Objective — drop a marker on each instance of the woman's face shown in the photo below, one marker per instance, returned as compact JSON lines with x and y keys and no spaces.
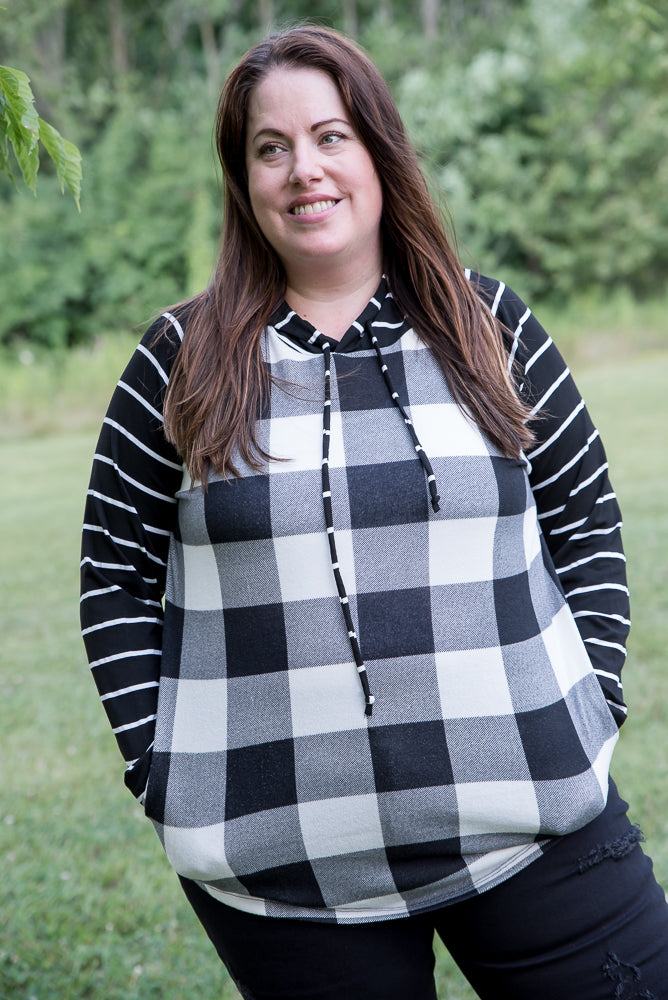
{"x":313,"y":187}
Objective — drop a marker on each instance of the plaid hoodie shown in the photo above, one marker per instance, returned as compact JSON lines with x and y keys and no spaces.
{"x":386,"y":674}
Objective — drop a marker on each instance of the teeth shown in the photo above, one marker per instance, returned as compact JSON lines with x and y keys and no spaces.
{"x":313,"y":207}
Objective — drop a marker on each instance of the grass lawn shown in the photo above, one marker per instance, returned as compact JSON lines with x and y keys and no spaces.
{"x":90,"y":908}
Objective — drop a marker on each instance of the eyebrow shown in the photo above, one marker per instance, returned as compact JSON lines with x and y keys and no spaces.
{"x":313,"y":128}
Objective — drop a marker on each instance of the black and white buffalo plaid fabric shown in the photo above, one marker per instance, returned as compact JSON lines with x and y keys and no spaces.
{"x":491,"y":631}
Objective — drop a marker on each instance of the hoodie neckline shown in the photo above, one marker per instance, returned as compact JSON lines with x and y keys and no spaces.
{"x":380,"y":307}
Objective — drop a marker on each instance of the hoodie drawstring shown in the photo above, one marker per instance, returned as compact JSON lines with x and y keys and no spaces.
{"x":422,"y":455}
{"x":329,"y":522}
{"x":327,"y":497}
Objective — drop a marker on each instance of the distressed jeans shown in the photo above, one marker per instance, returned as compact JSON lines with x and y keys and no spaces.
{"x":587,"y":921}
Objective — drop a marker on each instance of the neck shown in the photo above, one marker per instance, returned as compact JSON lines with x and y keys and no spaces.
{"x":332,"y":305}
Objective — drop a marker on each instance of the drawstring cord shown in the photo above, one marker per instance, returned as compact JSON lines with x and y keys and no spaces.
{"x":327,"y":498}
{"x":329,"y":522}
{"x":422,"y":455}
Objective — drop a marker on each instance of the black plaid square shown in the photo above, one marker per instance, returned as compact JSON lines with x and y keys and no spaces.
{"x":259,"y":778}
{"x":552,"y":744}
{"x":512,"y":485}
{"x":410,"y":756}
{"x":238,"y":509}
{"x":515,"y":615}
{"x":417,"y":865}
{"x":360,"y":384}
{"x":255,"y":640}
{"x":172,"y":640}
{"x":395,"y":623}
{"x":294,"y":884}
{"x":385,"y":494}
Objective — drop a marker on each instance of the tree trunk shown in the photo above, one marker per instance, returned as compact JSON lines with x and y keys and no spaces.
{"x":211,"y":55}
{"x":457,"y":15}
{"x":386,"y":12}
{"x":49,"y":72}
{"x":119,"y":48}
{"x":429,"y":12}
{"x":350,"y":25}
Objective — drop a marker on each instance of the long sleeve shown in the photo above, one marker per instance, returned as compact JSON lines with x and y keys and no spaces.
{"x":577,"y":507}
{"x":129,"y":517}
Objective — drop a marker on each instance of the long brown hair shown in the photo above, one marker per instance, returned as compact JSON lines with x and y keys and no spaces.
{"x":219,"y":379}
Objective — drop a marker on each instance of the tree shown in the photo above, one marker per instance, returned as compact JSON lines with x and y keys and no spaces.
{"x":23,"y":129}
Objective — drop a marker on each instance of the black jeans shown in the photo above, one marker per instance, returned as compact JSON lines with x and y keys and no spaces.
{"x":587,"y":921}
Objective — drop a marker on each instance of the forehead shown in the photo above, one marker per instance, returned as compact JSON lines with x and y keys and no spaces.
{"x":290,"y":95}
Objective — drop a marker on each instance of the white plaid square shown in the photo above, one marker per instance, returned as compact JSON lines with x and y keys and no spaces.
{"x":531,"y":535}
{"x":198,"y":852}
{"x":444,"y":430}
{"x":201,"y":580}
{"x":473,"y":683}
{"x":566,"y":650}
{"x":341,"y":826}
{"x":297,"y":440}
{"x":304,"y":565}
{"x":200,"y":718}
{"x":326,"y":699}
{"x":490,"y":806}
{"x":461,"y":551}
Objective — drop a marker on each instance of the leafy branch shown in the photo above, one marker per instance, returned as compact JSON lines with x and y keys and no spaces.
{"x":21,"y":126}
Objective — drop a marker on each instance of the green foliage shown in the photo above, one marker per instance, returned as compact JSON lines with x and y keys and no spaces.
{"x":542,"y":125}
{"x":548,"y":138}
{"x":23,"y":129}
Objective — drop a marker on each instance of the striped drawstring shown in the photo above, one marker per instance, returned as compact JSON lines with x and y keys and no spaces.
{"x":329,"y":522}
{"x":422,"y":455}
{"x":327,"y":497}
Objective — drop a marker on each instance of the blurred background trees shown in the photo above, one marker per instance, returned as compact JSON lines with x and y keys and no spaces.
{"x":544,"y":126}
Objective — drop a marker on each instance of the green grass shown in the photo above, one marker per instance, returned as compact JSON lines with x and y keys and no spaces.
{"x":90,"y":908}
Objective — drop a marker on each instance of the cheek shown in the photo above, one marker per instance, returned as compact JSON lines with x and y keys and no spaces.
{"x":260,"y":188}
{"x":375,"y":194}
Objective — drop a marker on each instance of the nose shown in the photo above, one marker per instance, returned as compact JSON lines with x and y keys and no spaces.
{"x":306,"y":164}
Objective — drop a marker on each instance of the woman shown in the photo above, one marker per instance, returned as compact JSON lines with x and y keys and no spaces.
{"x":388,"y":688}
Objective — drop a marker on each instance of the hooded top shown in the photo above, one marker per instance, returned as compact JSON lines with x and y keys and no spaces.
{"x":389,"y":673}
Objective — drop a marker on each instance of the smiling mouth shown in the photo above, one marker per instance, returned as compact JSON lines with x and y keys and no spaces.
{"x":313,"y":207}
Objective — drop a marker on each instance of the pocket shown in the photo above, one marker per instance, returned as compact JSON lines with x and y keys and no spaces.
{"x":136,"y":777}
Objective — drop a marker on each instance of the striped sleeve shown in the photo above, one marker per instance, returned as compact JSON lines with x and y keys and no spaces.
{"x":577,"y":507}
{"x":129,"y":517}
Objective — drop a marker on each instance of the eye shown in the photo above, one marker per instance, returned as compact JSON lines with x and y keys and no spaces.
{"x":331,"y":138}
{"x":269,"y":149}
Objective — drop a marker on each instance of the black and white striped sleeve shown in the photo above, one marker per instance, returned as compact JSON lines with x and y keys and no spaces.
{"x":128,"y":522}
{"x":577,"y":507}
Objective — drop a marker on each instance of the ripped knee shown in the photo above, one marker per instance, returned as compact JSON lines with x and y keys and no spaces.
{"x":626,"y":980}
{"x":613,"y":849}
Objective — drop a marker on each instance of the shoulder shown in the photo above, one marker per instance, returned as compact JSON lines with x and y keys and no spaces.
{"x":522,"y":333}
{"x":162,"y":341}
{"x":503,"y":302}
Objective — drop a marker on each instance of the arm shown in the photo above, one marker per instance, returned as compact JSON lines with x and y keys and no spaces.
{"x":577,"y":507}
{"x":129,"y":517}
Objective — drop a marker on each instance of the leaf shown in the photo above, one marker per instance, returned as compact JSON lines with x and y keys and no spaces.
{"x":19,"y":121}
{"x":66,"y":157}
{"x":4,"y":160}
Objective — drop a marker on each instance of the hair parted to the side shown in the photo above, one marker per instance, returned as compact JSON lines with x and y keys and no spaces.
{"x":219,"y":379}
